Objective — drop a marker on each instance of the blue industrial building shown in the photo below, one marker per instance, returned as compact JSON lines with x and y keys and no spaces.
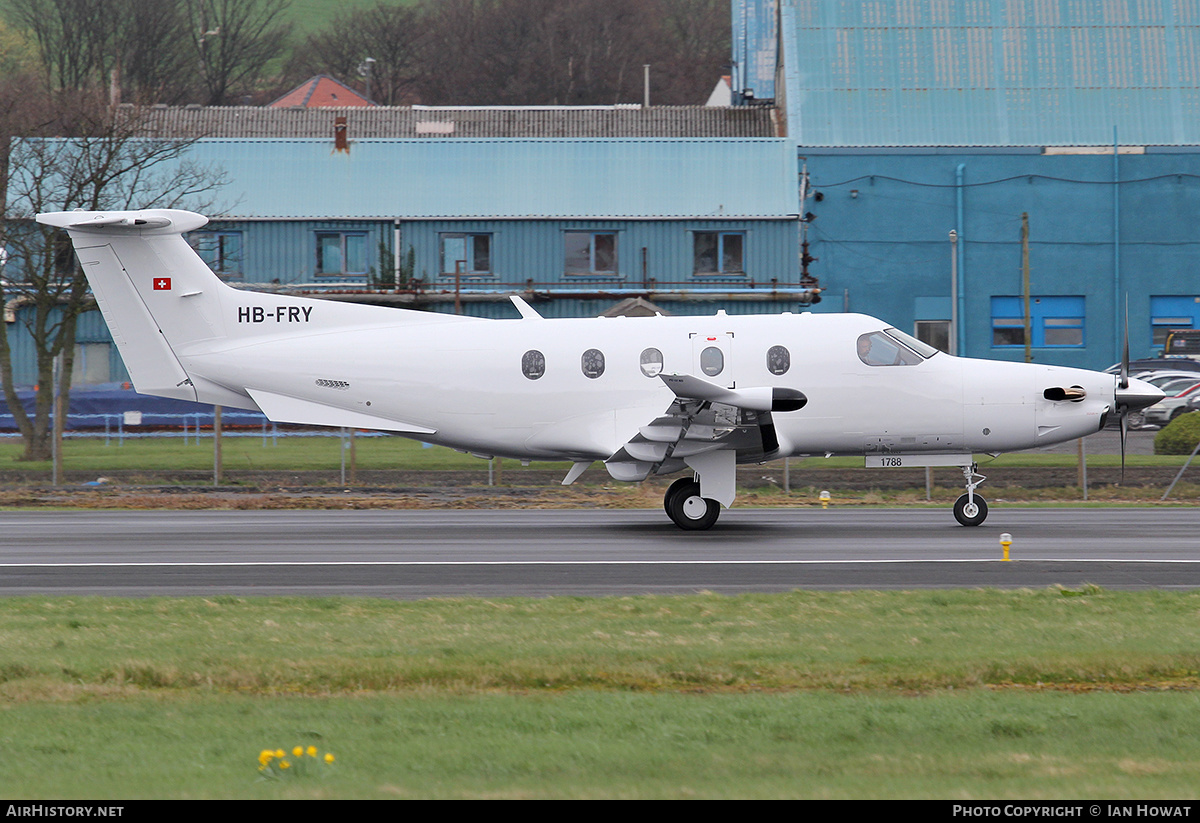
{"x":916,"y":118}
{"x":677,"y":221}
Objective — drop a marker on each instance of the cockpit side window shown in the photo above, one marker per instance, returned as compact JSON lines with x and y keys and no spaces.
{"x":879,"y":349}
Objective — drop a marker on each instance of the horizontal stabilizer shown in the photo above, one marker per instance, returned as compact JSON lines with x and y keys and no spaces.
{"x":283,"y":409}
{"x":165,"y":221}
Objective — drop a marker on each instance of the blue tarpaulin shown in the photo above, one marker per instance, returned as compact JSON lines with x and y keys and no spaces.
{"x":91,"y":407}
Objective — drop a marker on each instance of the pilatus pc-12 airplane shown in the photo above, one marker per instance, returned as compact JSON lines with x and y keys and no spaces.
{"x":646,"y":396}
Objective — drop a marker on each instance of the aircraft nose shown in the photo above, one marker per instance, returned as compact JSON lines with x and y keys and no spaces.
{"x":1138,"y":394}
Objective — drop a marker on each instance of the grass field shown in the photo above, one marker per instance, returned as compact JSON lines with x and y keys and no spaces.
{"x":255,"y":452}
{"x":247,"y":453}
{"x":957,"y":694}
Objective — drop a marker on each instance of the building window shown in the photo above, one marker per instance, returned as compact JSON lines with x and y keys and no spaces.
{"x":1161,"y":326}
{"x":1055,"y":322}
{"x":1172,"y":311}
{"x":220,"y":250}
{"x":936,"y":333}
{"x":718,"y":252}
{"x":341,"y":252}
{"x":467,"y":253}
{"x":590,"y":252}
{"x":93,"y":363}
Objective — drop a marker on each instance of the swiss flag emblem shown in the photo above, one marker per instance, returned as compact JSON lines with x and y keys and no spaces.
{"x":162,"y":284}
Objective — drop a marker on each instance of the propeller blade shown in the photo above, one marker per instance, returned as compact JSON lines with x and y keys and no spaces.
{"x":1124,"y":434}
{"x":1125,"y":350}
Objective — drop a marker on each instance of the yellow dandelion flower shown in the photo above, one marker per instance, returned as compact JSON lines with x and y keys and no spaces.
{"x":284,"y":764}
{"x":312,"y":751}
{"x":298,"y":751}
{"x":328,"y":757}
{"x":280,"y":753}
{"x":265,"y":756}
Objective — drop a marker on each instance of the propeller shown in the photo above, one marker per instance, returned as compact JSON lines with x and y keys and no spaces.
{"x":1130,"y":394}
{"x":1123,"y":385}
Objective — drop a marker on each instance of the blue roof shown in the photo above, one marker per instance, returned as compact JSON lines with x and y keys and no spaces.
{"x":991,"y":72}
{"x":506,"y":178}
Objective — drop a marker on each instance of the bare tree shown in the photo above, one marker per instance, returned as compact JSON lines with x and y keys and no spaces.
{"x":106,"y":165}
{"x":693,"y":49}
{"x":570,"y":52}
{"x":389,"y":34}
{"x":71,"y":36}
{"x":150,"y":42}
{"x":233,"y":41}
{"x":136,"y":49}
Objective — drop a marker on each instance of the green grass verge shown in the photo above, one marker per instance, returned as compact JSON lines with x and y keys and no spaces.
{"x":248,"y":454}
{"x":972,"y":694}
{"x":391,"y":452}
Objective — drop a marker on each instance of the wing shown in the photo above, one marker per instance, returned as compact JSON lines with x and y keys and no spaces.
{"x":704,"y":418}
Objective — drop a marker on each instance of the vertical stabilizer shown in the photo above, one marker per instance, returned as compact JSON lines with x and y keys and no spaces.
{"x":156,"y":294}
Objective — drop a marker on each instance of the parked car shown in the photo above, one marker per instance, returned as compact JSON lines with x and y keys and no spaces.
{"x":1179,"y":392}
{"x":1159,"y":379}
{"x":1158,"y":364}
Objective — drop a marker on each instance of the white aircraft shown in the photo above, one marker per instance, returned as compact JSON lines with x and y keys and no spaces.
{"x":645,"y":395}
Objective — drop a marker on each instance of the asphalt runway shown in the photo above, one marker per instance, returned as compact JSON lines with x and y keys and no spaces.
{"x":415,"y":554}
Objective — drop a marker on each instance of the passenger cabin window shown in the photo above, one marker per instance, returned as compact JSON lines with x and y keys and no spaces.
{"x":652,"y":362}
{"x":779,"y":360}
{"x":880,"y":349}
{"x":592,"y":363}
{"x":712,"y":361}
{"x":533,"y":364}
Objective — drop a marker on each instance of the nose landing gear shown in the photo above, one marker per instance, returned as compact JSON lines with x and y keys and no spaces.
{"x":971,"y":509}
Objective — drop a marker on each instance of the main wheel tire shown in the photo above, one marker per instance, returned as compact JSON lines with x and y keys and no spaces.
{"x":689,"y":511}
{"x":968,"y":513}
{"x":674,"y":489}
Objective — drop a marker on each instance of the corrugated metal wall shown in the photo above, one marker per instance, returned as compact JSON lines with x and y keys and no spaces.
{"x":613,"y":178}
{"x":882,"y":236}
{"x":534,"y":250}
{"x":286,"y":250}
{"x":991,"y":72}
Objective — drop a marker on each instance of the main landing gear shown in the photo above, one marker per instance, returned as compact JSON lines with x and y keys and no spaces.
{"x":687,"y":509}
{"x":971,"y":509}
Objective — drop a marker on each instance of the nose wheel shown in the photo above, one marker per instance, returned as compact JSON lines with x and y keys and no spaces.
{"x":687,"y":509}
{"x":971,"y":509}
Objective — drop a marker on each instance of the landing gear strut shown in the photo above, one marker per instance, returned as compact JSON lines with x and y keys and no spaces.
{"x":687,"y":509}
{"x":971,"y":509}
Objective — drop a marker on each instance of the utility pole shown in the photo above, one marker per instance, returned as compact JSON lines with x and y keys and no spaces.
{"x":953,"y":292}
{"x":56,"y":435}
{"x":1025,"y":285}
{"x":218,"y":469}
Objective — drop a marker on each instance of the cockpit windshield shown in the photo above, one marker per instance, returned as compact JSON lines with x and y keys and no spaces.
{"x":892,"y":347}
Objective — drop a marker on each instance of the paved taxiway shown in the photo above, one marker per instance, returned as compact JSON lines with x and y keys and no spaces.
{"x":410,"y":554}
